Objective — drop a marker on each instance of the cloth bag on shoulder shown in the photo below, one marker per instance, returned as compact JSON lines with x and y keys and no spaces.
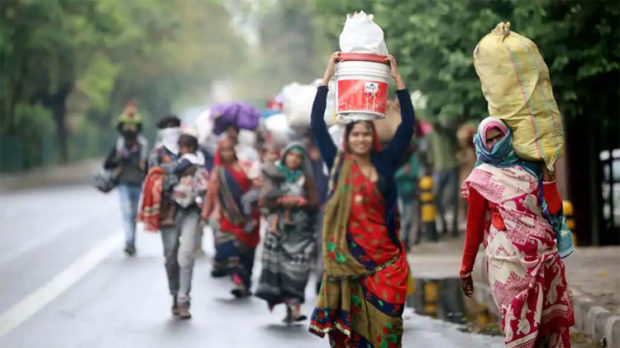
{"x":105,"y":180}
{"x":516,"y":84}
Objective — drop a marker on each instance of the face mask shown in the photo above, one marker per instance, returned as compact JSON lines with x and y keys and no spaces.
{"x":170,"y":138}
{"x":130,"y":134}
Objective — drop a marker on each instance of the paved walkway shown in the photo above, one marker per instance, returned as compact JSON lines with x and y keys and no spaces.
{"x":593,"y":274}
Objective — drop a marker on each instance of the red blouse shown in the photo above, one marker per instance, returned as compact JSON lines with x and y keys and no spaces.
{"x":478,"y":206}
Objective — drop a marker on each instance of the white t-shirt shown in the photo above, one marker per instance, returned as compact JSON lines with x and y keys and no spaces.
{"x":255,"y":171}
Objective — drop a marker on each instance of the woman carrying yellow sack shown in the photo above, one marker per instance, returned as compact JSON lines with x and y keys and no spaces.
{"x":366,"y":275}
{"x":513,"y":207}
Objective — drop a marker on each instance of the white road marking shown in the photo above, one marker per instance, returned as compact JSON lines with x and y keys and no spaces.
{"x":38,"y":299}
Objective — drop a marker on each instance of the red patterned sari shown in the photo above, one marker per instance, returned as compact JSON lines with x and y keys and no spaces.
{"x":526,"y":274}
{"x":364,"y":289}
{"x":234,"y":246}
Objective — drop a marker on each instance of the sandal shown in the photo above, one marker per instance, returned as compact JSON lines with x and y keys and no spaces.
{"x":301,"y":317}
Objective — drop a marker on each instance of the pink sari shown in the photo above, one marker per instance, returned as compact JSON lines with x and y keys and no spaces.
{"x":525,"y":272}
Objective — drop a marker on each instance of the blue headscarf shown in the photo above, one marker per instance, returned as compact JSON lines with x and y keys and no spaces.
{"x":501,"y":154}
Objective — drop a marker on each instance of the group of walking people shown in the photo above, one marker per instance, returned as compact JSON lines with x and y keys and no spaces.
{"x":176,"y":191}
{"x":347,"y":217}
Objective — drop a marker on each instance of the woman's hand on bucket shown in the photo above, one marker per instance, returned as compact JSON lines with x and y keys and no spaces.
{"x":329,"y":70}
{"x":394,"y":72}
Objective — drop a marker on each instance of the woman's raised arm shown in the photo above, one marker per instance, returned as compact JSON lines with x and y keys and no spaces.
{"x":404,"y":132}
{"x":317,"y":122}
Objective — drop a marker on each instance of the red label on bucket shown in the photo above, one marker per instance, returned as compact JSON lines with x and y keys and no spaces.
{"x":362,"y":96}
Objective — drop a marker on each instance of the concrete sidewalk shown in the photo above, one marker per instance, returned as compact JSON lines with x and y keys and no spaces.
{"x":71,"y":173}
{"x":593,"y":274}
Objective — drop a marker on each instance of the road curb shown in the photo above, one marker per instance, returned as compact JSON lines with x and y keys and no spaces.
{"x":591,"y":318}
{"x":612,"y":331}
{"x":596,"y":321}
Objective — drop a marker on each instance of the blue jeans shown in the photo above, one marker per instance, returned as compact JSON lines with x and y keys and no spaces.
{"x":130,"y":198}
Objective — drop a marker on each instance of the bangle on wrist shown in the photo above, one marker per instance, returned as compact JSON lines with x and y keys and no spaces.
{"x":464,"y":274}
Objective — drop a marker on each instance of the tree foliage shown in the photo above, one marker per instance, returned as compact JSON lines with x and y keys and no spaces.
{"x":68,"y":66}
{"x":434,"y":41}
{"x":77,"y":62}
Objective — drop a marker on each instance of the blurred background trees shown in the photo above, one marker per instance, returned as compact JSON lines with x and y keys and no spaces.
{"x":68,"y":66}
{"x":434,"y":41}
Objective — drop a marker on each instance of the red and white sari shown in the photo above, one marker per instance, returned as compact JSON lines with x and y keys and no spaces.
{"x":525,"y":272}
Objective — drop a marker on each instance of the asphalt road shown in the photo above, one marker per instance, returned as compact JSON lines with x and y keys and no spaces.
{"x":64,"y":282}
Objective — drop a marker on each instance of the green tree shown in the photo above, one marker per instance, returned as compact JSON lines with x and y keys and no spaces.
{"x":434,"y":41}
{"x":82,"y":60}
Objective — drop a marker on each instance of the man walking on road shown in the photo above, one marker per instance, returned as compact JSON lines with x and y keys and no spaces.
{"x":182,"y":168}
{"x":128,"y":159}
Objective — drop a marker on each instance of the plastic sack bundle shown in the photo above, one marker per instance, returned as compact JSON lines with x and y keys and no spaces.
{"x":204,"y":124}
{"x":362,"y":35}
{"x":386,"y":127}
{"x":297,"y":104}
{"x":279,"y":130}
{"x":244,"y":115}
{"x":516,"y":84}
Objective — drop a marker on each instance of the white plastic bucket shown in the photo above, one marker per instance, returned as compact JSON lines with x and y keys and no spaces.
{"x":362,"y":88}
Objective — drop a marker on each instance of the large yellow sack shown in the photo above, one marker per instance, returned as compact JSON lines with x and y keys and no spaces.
{"x":516,"y":84}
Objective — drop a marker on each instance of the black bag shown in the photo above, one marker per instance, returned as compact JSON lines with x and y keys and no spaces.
{"x":105,"y":180}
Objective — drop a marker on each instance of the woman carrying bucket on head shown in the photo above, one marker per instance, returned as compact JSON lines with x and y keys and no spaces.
{"x":513,"y":209}
{"x":366,"y":275}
